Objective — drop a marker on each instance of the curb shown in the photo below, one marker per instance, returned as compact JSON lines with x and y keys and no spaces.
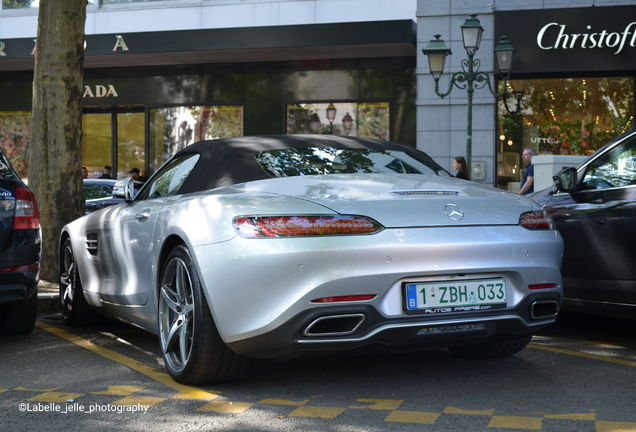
{"x":48,"y":302}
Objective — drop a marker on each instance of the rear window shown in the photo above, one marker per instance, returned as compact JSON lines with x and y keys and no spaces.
{"x":318,"y":161}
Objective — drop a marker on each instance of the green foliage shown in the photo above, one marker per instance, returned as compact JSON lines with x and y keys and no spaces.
{"x":16,"y":4}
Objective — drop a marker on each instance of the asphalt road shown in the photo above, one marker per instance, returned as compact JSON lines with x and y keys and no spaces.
{"x":578,"y":375}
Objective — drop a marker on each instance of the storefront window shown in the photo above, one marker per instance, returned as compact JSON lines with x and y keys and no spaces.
{"x":15,"y":138}
{"x":572,"y":116}
{"x":23,"y":4}
{"x":370,"y":120}
{"x":131,"y":151}
{"x":96,"y":143}
{"x":172,"y":129}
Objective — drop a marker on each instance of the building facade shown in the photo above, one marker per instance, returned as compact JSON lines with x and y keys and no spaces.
{"x":160,"y":75}
{"x":571,"y":88}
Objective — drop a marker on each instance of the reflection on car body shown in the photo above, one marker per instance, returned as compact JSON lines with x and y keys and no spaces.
{"x":280,"y":246}
{"x":99,"y":194}
{"x":594,"y":208}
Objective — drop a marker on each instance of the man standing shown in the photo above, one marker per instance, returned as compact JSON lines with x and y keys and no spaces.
{"x":106,"y":174}
{"x":527,"y":182}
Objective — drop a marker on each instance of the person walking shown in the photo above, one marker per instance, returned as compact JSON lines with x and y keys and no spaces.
{"x":459,"y":165}
{"x":527,"y":181}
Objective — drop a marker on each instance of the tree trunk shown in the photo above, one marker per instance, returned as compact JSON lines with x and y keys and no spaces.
{"x":55,"y":169}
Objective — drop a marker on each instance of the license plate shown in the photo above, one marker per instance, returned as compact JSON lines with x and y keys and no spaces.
{"x":456,"y":296}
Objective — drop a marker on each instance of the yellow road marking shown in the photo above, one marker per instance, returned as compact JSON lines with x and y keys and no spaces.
{"x":412,"y":417}
{"x":120,"y":390}
{"x":37,"y":390}
{"x":316,"y":412}
{"x":283,"y":402}
{"x":3,"y":390}
{"x":188,"y":391}
{"x":508,"y":422}
{"x":610,"y":426}
{"x":587,"y":416}
{"x":57,"y":397}
{"x":380,"y":404}
{"x":453,"y":410}
{"x":225,"y":407}
{"x":139,"y":400}
{"x":195,"y":393}
{"x":580,"y":354}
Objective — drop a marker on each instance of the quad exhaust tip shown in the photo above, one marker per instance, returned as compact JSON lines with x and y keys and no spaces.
{"x":334,"y":325}
{"x":544,"y":309}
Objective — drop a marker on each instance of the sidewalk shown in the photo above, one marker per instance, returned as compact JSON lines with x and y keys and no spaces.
{"x":48,"y":297}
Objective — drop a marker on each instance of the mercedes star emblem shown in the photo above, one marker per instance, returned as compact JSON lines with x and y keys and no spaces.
{"x":454,"y":212}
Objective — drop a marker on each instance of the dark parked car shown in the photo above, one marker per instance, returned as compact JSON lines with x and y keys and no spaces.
{"x":594,"y":208}
{"x":20,"y":252}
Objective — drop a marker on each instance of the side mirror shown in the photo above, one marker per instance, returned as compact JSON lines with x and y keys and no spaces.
{"x":124,"y":189}
{"x":565,"y":180}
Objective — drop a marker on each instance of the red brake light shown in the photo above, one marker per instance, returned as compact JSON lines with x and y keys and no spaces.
{"x":26,"y":210}
{"x":344,"y":298}
{"x":543,"y":286}
{"x":21,"y":268}
{"x":293,"y":226}
{"x":536,"y":220}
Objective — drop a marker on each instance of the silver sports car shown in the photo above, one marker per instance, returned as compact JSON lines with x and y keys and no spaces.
{"x":277,"y":246}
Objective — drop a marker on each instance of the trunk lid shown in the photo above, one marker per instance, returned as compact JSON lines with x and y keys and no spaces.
{"x":399,"y":201}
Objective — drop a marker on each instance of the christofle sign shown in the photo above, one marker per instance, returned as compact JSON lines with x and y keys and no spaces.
{"x":603,"y":39}
{"x":571,"y":40}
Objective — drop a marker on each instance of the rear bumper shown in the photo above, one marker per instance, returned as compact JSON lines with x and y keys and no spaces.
{"x":410,"y":333}
{"x":16,"y":286}
{"x":18,"y":292}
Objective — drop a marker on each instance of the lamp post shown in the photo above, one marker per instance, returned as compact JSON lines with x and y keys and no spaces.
{"x":314,"y":124}
{"x":347,"y":123}
{"x":470,"y":78}
{"x":331,"y":116}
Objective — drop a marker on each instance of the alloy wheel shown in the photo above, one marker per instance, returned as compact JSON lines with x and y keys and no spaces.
{"x":176,"y":315}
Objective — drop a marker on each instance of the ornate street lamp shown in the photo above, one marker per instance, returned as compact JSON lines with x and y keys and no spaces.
{"x":347,"y":123}
{"x":518,"y":88}
{"x":331,"y":115}
{"x":314,"y":123}
{"x":471,"y":78}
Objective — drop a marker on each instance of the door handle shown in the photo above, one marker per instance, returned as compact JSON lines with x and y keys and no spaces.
{"x":141,"y":217}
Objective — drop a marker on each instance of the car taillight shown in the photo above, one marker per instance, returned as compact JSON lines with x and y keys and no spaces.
{"x":26,"y":210}
{"x":297,"y":226}
{"x":536,"y":220}
{"x":21,"y":268}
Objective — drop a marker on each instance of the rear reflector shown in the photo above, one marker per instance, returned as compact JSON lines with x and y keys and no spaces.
{"x":295,"y":226}
{"x":344,"y":298}
{"x":543,"y":286}
{"x":21,"y":268}
{"x":536,"y":220}
{"x":26,"y":210}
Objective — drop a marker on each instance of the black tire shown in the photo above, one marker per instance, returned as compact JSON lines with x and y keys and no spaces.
{"x":499,"y":348}
{"x":19,"y":318}
{"x":192,"y":348}
{"x":75,"y":310}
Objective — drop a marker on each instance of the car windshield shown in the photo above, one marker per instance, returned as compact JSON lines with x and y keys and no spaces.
{"x":318,"y":161}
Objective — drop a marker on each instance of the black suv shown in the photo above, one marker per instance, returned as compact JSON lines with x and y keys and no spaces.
{"x":20,"y":252}
{"x":594,"y":208}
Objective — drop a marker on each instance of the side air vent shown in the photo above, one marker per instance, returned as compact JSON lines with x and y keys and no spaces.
{"x":425,"y":193}
{"x":91,"y":244}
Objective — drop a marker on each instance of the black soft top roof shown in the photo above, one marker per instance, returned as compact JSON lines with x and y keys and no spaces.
{"x":229,"y":161}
